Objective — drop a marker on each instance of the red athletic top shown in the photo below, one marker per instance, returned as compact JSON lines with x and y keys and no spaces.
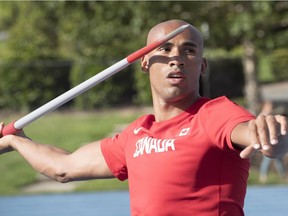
{"x":185,"y":165}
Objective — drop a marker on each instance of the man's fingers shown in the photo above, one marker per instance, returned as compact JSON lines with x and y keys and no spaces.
{"x":284,"y":124}
{"x":277,"y":125}
{"x":1,"y":128}
{"x":263,"y":128}
{"x":274,"y":129}
{"x":248,"y":152}
{"x":253,"y":134}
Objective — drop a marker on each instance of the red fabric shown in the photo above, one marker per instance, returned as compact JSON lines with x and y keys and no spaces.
{"x":185,"y":165}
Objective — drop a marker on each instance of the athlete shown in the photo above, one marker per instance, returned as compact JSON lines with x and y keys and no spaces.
{"x":191,"y":157}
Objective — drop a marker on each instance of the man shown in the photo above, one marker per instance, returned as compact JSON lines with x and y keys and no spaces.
{"x":184,"y":159}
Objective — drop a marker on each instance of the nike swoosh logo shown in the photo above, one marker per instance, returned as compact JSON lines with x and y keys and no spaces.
{"x":136,"y":131}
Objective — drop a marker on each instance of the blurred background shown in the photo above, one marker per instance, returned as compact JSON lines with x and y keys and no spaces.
{"x":46,"y":48}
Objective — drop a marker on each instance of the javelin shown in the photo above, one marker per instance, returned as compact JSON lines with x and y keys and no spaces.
{"x":19,"y":124}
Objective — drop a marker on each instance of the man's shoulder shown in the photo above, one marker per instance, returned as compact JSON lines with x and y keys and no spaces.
{"x":219,"y":101}
{"x":205,"y":102}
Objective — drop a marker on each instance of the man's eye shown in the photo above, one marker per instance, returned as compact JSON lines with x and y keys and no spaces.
{"x":190,"y":51}
{"x":165,"y":49}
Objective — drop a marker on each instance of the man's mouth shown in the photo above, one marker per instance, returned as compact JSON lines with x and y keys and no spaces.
{"x":176,"y":75}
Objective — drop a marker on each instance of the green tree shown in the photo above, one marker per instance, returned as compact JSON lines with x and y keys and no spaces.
{"x":256,"y":26}
{"x":101,"y":38}
{"x":93,"y":35}
{"x":31,"y":50}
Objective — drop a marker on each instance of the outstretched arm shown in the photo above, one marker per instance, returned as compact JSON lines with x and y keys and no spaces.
{"x":267,"y":134}
{"x":85,"y":163}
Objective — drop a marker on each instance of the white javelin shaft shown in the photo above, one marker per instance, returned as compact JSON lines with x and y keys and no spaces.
{"x":79,"y":89}
{"x":72,"y":93}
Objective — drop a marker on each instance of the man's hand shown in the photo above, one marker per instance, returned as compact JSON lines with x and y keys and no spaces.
{"x":268,"y":134}
{"x":5,"y":141}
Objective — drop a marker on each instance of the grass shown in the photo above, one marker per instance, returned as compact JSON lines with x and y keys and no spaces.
{"x":70,"y":130}
{"x":103,"y":185}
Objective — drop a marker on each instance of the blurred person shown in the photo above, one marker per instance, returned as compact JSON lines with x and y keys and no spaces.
{"x":191,"y":157}
{"x":265,"y":165}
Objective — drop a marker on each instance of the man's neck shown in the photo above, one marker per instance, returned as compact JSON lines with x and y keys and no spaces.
{"x":164,"y":110}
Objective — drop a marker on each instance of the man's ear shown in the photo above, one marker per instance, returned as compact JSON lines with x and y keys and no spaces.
{"x":144,"y":64}
{"x":203,"y":66}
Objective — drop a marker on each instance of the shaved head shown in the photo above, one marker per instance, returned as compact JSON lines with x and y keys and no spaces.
{"x":166,"y":27}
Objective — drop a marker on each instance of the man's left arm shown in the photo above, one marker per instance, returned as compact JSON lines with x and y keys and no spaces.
{"x":267,"y":134}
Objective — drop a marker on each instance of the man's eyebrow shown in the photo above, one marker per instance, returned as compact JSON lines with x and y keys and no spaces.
{"x":186,"y":43}
{"x":167,"y":44}
{"x":190,"y":43}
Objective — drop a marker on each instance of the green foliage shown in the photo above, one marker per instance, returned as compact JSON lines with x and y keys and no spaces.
{"x":227,"y":73}
{"x":94,"y":35}
{"x":279,"y":64}
{"x":99,"y":27}
{"x":31,"y":70}
{"x":142,"y":84}
{"x":29,"y":85}
{"x":229,"y":23}
{"x":265,"y":71}
{"x":117,"y":90}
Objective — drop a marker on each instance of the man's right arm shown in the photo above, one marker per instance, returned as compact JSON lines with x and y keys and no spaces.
{"x":87,"y":162}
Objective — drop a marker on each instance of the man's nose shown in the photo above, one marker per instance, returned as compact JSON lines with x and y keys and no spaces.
{"x":176,"y":61}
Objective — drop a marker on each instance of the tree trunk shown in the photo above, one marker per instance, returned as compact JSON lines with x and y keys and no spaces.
{"x":252,"y":92}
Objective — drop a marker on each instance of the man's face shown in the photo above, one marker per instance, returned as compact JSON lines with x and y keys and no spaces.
{"x":174,"y":68}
